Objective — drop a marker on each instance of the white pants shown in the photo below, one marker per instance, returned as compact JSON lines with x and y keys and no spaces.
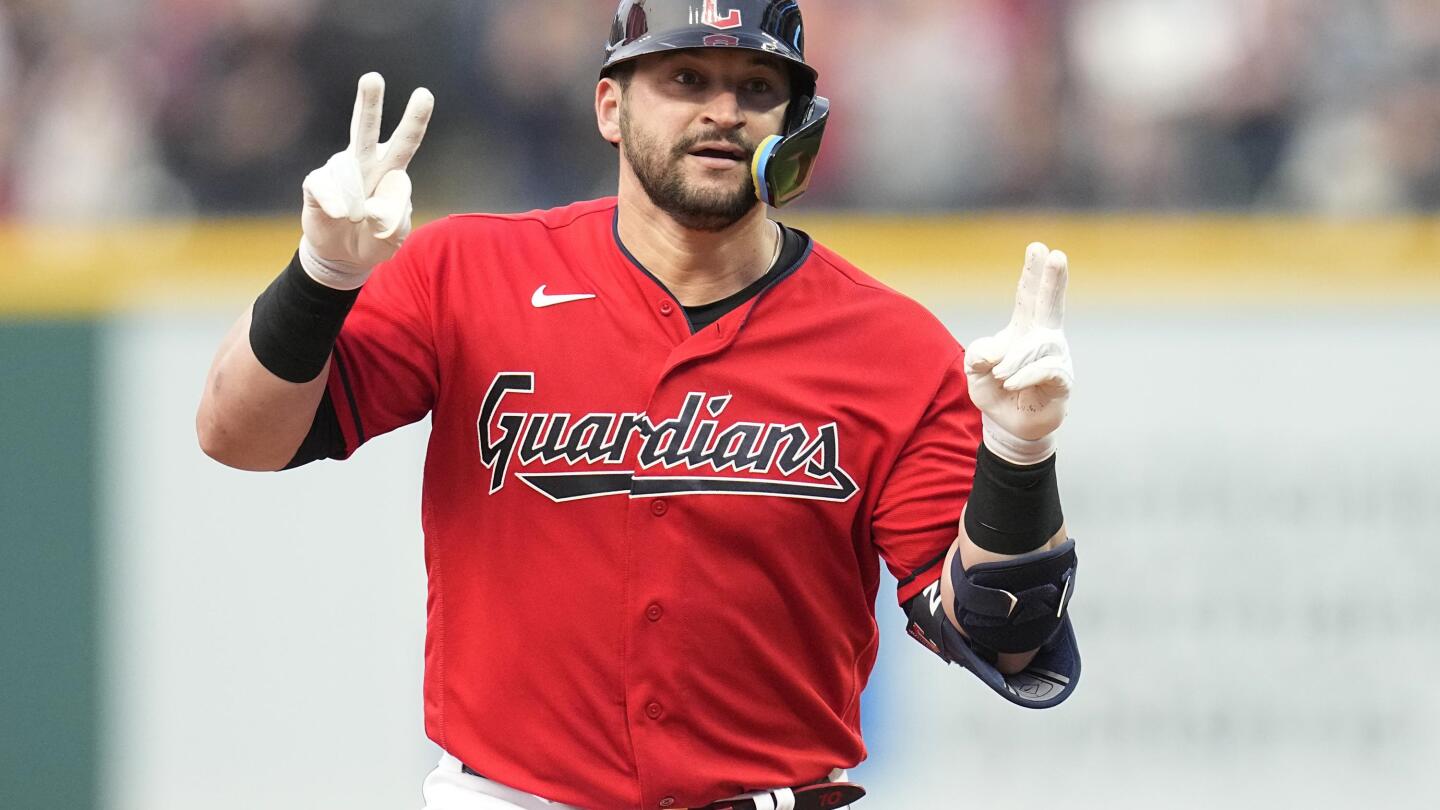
{"x":450,"y":788}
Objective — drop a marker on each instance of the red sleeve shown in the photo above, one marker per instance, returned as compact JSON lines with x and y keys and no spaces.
{"x":383,"y":374}
{"x":917,"y":516}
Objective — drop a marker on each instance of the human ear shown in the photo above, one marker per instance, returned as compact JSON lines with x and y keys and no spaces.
{"x":607,"y":109}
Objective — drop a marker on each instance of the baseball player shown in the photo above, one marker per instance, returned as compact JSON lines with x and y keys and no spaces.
{"x":672,"y":442}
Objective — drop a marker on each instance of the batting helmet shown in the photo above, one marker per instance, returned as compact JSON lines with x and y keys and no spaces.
{"x":782,"y":164}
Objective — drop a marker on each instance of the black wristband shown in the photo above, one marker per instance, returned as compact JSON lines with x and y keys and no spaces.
{"x":1012,"y":509}
{"x":295,"y":322}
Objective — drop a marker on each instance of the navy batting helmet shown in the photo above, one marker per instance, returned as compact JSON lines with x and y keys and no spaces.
{"x":782,"y":164}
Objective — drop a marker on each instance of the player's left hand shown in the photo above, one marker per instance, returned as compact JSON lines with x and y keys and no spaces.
{"x":1020,"y":378}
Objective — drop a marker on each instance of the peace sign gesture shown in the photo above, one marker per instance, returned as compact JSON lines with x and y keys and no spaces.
{"x":357,"y":206}
{"x":1020,"y":378}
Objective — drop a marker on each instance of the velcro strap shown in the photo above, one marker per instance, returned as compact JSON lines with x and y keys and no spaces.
{"x":996,"y":603}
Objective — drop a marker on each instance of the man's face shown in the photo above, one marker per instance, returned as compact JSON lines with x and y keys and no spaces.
{"x":690,"y":122}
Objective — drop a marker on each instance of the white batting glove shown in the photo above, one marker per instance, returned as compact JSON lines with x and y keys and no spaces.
{"x":1021,"y":378}
{"x":357,"y":206}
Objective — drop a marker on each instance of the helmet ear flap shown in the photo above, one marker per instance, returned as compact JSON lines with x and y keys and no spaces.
{"x":783,"y":165}
{"x":802,"y":96}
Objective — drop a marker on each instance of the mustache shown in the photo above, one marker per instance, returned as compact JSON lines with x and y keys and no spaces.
{"x":733,"y":138}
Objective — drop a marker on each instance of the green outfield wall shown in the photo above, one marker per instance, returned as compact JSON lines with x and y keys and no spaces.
{"x":49,"y":527}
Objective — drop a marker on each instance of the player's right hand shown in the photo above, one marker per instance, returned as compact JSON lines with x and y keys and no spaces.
{"x":357,"y":206}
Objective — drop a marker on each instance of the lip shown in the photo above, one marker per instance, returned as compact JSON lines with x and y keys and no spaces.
{"x":717,"y":163}
{"x":719,"y":146}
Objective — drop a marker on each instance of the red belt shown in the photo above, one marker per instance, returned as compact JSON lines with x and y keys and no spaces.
{"x":821,"y":796}
{"x":811,"y":797}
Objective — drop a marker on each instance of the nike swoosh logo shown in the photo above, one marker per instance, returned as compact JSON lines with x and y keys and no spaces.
{"x":540,"y":300}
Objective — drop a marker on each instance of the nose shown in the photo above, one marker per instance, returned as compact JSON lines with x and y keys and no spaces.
{"x":723,"y":110}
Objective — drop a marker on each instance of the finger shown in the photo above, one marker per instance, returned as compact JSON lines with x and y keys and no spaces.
{"x":365,"y":122}
{"x":1029,"y":285}
{"x":322,"y":193}
{"x":983,"y":354}
{"x":1025,"y":353}
{"x":1052,"y":372}
{"x":411,"y":131}
{"x":1050,"y":302}
{"x":343,"y":173}
{"x":389,"y":208}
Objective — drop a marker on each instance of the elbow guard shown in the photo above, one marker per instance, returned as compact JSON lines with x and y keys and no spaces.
{"x":1016,"y":605}
{"x":1013,"y":606}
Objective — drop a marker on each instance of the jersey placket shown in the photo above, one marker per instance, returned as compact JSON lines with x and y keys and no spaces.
{"x":660,"y":625}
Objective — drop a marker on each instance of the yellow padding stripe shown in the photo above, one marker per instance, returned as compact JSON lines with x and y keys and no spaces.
{"x":53,"y":271}
{"x":1206,"y":260}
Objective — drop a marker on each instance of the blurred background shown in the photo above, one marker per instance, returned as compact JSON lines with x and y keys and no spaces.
{"x":1250,"y":194}
{"x":132,"y":108}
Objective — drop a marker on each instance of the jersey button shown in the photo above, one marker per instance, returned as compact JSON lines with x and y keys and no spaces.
{"x":667,"y":309}
{"x":654,"y":710}
{"x":668,"y":801}
{"x":654,"y":612}
{"x":659,"y":507}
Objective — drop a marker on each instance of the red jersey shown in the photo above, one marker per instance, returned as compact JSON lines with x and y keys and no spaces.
{"x":653,"y":556}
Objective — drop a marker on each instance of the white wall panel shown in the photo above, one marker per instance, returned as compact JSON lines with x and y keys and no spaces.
{"x":1259,"y":517}
{"x":1258,"y":508}
{"x":264,"y":632}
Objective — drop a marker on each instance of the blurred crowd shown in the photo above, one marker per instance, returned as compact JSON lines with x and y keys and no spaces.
{"x":115,"y":109}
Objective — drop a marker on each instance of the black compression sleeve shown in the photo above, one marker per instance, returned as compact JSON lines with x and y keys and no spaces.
{"x":324,"y":439}
{"x":1012,"y":509}
{"x":294,"y":324}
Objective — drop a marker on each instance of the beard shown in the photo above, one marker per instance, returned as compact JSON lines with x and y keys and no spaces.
{"x":661,"y":173}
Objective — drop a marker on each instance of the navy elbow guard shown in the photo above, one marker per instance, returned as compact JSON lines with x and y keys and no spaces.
{"x":1011,"y":606}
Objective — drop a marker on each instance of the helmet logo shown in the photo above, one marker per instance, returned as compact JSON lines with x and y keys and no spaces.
{"x":722,"y":41}
{"x":710,"y":15}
